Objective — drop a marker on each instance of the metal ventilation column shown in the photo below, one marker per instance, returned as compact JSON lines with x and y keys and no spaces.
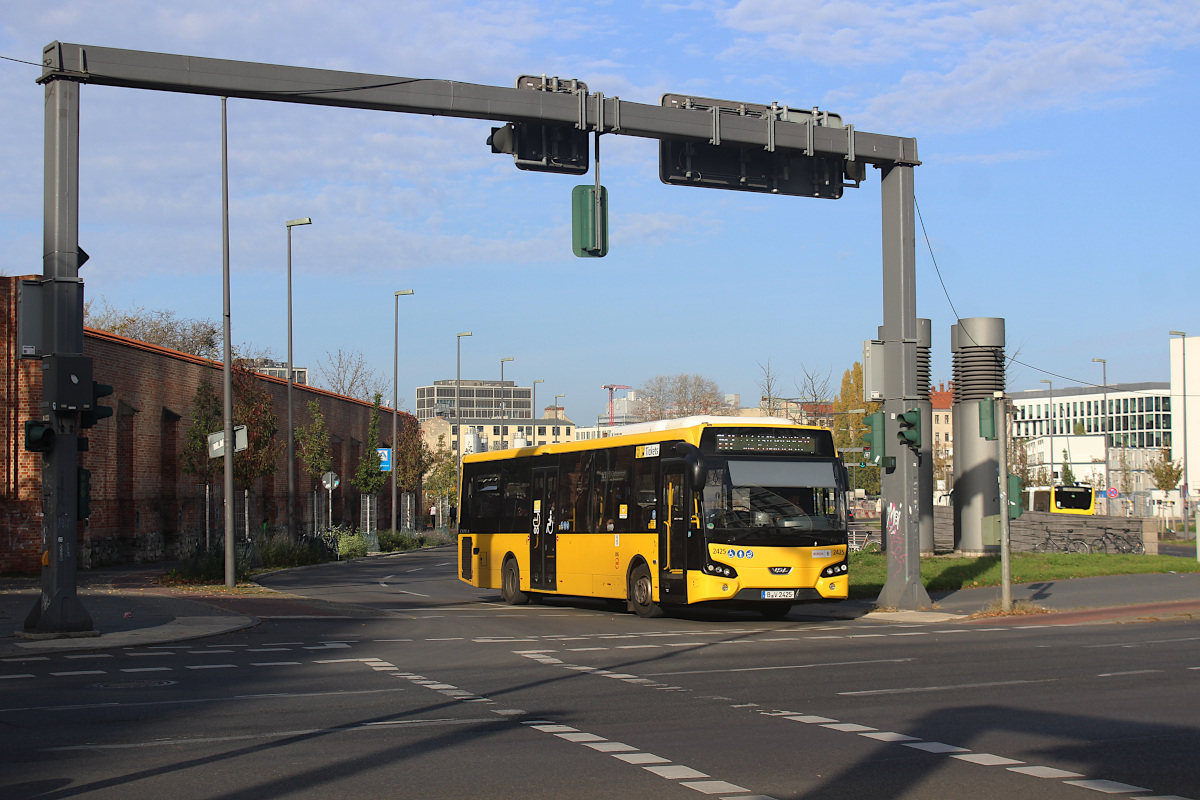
{"x":978,"y":348}
{"x":925,"y":467}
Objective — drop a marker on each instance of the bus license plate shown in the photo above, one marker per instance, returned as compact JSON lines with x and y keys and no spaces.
{"x":779,"y":594}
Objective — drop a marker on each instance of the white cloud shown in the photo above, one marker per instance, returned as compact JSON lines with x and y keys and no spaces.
{"x":980,"y":63}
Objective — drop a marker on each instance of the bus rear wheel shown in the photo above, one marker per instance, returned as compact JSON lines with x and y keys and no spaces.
{"x":641,"y":593}
{"x":510,"y":584}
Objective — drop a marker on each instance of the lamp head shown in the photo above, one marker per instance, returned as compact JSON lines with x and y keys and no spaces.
{"x":291,"y":223}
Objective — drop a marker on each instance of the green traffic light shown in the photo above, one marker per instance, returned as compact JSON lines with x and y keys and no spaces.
{"x":910,"y":428}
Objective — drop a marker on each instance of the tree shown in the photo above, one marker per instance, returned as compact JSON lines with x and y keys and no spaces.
{"x":368,"y":478}
{"x":849,"y":428}
{"x":441,"y":480}
{"x":771,"y":403}
{"x":313,"y":443}
{"x":682,"y":395}
{"x":198,"y":337}
{"x":254,"y":408}
{"x":207,"y":417}
{"x":412,"y":456}
{"x":1068,"y":474}
{"x":1164,"y":472}
{"x":346,"y":373}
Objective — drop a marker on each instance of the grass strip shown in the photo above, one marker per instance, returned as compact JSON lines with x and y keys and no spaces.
{"x":868,"y":571}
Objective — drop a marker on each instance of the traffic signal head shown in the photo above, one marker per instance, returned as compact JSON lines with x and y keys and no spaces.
{"x":874,"y":445}
{"x":910,"y":428}
{"x":39,"y":436}
{"x":90,"y":416}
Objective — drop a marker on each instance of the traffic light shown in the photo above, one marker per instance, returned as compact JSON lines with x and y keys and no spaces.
{"x":874,"y":445}
{"x":543,"y":148}
{"x":89,"y":417}
{"x":1015,"y":507}
{"x":910,"y":428}
{"x":39,"y":436}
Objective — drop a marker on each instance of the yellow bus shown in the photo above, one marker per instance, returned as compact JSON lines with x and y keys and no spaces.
{"x":1060,"y":499}
{"x":747,"y":512}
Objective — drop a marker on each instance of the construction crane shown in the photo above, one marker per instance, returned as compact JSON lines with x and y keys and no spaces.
{"x":612,"y":387}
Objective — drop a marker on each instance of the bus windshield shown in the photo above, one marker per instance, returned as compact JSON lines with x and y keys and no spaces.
{"x":773,"y":503}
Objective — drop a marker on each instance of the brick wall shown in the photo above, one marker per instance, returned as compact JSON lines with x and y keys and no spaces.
{"x":144,"y":508}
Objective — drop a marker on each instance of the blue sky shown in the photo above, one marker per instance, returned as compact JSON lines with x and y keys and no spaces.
{"x":1057,"y":186}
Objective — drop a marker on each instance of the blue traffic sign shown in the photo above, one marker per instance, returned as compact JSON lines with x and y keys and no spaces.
{"x":385,"y":458}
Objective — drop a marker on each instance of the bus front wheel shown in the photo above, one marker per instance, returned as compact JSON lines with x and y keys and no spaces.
{"x":641,"y":593}
{"x":510,"y":584}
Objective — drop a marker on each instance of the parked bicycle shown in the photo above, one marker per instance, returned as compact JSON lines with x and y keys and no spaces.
{"x":1111,"y":542}
{"x":1062,"y":544}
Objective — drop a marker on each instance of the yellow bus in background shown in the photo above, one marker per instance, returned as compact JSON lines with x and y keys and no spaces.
{"x":748,"y":512}
{"x":1060,"y":499}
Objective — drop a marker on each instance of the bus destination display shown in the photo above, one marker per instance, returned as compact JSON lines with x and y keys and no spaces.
{"x":765,"y":442}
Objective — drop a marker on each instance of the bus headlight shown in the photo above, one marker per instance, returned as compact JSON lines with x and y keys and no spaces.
{"x":833,"y":570}
{"x":720,"y":570}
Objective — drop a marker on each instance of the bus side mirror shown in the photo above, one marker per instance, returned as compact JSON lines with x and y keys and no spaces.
{"x":697,"y":470}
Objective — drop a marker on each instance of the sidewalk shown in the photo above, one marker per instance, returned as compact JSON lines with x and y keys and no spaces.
{"x":129,"y":607}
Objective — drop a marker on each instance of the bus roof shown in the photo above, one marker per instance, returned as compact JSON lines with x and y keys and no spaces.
{"x":688,"y":429}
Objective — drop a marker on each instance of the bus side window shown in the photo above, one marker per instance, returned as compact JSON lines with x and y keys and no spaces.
{"x":645,"y":479}
{"x":514,"y":516}
{"x":568,"y":485}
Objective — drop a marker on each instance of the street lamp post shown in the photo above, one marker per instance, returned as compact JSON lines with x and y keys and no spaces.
{"x":507,"y":358}
{"x":291,"y":431}
{"x":556,"y":417}
{"x":458,"y":419}
{"x":1104,"y":422}
{"x":1044,"y":380}
{"x":395,"y":396}
{"x":1184,"y":491}
{"x":533,"y":413}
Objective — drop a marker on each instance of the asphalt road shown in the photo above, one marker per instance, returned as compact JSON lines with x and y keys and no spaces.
{"x":451,"y":694}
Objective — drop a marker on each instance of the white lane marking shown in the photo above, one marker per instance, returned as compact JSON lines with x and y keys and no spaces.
{"x":22,"y":675}
{"x":79,"y":672}
{"x":641,"y":758}
{"x":1127,"y":672}
{"x":810,"y":719}
{"x":366,"y":726}
{"x":890,"y":736}
{"x":1047,"y":772}
{"x":414,"y":569}
{"x":581,"y":737}
{"x":90,"y":655}
{"x":946,"y":688}
{"x":987,"y":759}
{"x":273,"y":663}
{"x":610,"y":747}
{"x":719,"y":787}
{"x":676,"y":771}
{"x":1148,"y":641}
{"x":414,"y":594}
{"x":211,"y":666}
{"x":639,"y":646}
{"x":147,"y":669}
{"x":936,"y":747}
{"x":786,"y":666}
{"x":24,"y":658}
{"x":1108,"y":787}
{"x":848,"y":727}
{"x":206,"y":652}
{"x":269,"y":650}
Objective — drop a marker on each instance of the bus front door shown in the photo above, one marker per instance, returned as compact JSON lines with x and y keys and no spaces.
{"x":543,"y":539}
{"x":672,"y":542}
